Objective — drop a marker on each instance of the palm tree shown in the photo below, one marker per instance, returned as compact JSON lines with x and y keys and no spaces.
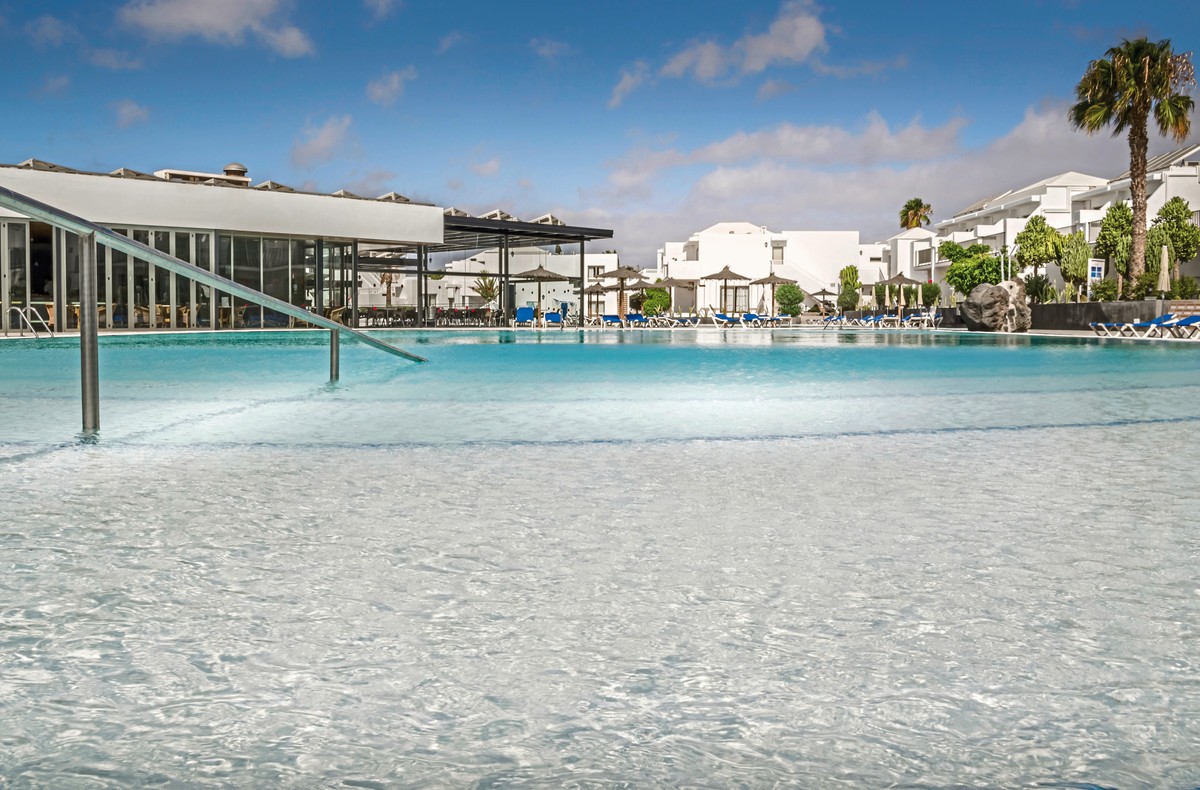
{"x":915,"y":213}
{"x":1122,"y":89}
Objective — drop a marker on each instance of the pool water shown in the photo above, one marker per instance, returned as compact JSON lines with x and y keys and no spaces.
{"x":707,"y":558}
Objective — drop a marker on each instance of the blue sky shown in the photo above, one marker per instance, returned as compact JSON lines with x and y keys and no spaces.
{"x":653,"y":118}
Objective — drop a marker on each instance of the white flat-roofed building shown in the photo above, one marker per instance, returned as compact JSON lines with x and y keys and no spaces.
{"x":1170,"y":175}
{"x":1069,"y":201}
{"x":292,"y":245}
{"x":811,"y":258}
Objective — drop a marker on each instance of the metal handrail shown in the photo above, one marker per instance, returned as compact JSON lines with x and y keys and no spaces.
{"x":115,"y":241}
{"x":21,"y":312}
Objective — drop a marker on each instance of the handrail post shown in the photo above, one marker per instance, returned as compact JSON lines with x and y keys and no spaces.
{"x":89,"y":362}
{"x":334,"y":353}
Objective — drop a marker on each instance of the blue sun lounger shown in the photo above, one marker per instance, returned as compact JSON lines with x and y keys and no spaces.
{"x":524,"y":316}
{"x":752,"y":319}
{"x":720,"y":319}
{"x":1185,"y":328}
{"x":612,"y":320}
{"x":637,"y":319}
{"x":1132,"y":329}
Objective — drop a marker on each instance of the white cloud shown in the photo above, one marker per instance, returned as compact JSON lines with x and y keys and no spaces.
{"x":289,"y":41}
{"x":390,"y":86}
{"x":631,"y":79}
{"x":130,"y":113}
{"x":548,"y":48}
{"x":653,"y":196}
{"x":53,"y":85}
{"x":489,"y":168}
{"x":372,"y":183}
{"x":875,"y":142}
{"x":49,"y":31}
{"x":773,"y":88}
{"x":321,"y":144}
{"x":448,"y":41}
{"x":113,"y":59}
{"x":225,"y":22}
{"x":706,"y":60}
{"x":382,"y":9}
{"x":795,"y":36}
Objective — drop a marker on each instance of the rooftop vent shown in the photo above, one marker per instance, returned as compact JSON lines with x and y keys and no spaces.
{"x":236,"y":169}
{"x":271,"y":186}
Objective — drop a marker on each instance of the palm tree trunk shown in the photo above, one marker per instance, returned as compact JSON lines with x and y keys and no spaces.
{"x":1139,"y":142}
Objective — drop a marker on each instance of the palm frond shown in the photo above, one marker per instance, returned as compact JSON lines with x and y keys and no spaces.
{"x":1172,"y":116}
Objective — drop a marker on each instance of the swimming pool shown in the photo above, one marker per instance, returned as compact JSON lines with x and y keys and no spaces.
{"x":705,"y":558}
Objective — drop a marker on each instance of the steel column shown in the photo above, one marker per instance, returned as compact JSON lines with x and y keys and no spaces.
{"x":334,"y":356}
{"x":319,"y":291}
{"x":354,"y":285}
{"x":420,"y":285}
{"x":89,"y":358}
{"x":582,"y":272}
{"x":506,"y":300}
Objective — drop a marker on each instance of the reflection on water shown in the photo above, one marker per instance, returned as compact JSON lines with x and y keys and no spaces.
{"x":922,"y":578}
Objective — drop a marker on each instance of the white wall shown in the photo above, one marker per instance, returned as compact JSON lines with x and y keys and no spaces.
{"x":812,"y":258}
{"x":109,"y":200}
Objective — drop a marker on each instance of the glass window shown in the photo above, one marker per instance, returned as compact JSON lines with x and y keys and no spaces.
{"x":122,"y":278}
{"x":205,"y":307}
{"x":304,"y":273}
{"x":161,"y":311}
{"x":247,"y":271}
{"x":276,"y":278}
{"x":18,"y":281}
{"x":737,"y":299}
{"x":224,"y":269}
{"x":140,"y":314}
{"x":72,"y":245}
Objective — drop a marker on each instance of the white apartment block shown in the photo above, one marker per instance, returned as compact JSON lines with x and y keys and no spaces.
{"x":811,"y":258}
{"x":1069,"y":201}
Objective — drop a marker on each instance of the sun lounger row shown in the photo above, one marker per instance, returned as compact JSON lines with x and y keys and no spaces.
{"x":751,"y":320}
{"x":1167,"y":325}
{"x":637,"y":320}
{"x":880,"y":320}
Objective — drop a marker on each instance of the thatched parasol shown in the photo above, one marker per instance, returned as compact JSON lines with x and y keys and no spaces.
{"x":773,"y":280}
{"x":725,"y":275}
{"x":821,"y":296}
{"x":621,"y":274}
{"x":540,"y":275}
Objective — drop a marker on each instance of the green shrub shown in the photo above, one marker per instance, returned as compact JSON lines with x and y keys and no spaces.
{"x":847,"y":300}
{"x":652,"y":301}
{"x":790,"y":299}
{"x":931,"y":294}
{"x":1185,"y":288}
{"x":1038,"y":289}
{"x":1145,"y":285}
{"x":1104,"y":290}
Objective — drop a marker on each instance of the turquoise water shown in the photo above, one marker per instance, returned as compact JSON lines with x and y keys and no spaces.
{"x":581,"y":387}
{"x":635,"y":559}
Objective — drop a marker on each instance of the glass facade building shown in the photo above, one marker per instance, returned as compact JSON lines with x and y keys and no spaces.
{"x":298,"y":247}
{"x":40,"y":272}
